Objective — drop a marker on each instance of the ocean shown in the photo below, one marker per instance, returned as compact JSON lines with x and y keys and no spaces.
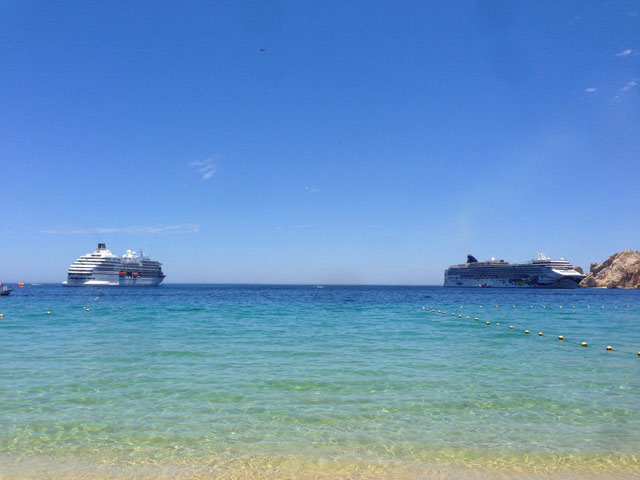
{"x":242,"y":381}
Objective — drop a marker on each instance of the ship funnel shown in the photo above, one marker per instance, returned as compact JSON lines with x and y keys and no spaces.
{"x":102,"y":246}
{"x":471,"y":259}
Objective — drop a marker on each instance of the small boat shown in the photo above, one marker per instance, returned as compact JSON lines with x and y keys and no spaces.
{"x":5,"y":291}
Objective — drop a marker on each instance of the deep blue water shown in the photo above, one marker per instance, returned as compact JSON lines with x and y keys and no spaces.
{"x":294,"y":376}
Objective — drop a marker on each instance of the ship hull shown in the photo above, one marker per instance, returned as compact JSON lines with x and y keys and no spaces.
{"x":114,"y":281}
{"x":140,"y":282}
{"x":527,"y":282}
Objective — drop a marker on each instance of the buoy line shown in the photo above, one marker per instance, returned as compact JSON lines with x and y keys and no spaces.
{"x":574,"y":307}
{"x":561,"y":338}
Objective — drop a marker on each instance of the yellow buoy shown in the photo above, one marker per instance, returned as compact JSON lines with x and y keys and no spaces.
{"x":48,"y":313}
{"x":584,"y":344}
{"x":530,"y":306}
{"x":560,"y":306}
{"x":459,"y":316}
{"x":496,"y":306}
{"x":588,"y":306}
{"x":476,"y":319}
{"x":609,"y":348}
{"x":481,"y":306}
{"x":498,"y":324}
{"x":468,"y":316}
{"x":461,"y":306}
{"x":540,"y":334}
{"x":527,"y":332}
{"x":488,"y":323}
{"x":544,"y":306}
{"x":511,"y":327}
{"x":560,"y":337}
{"x":1,"y":315}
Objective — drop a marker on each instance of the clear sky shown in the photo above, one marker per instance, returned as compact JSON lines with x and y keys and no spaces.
{"x":371,"y":142}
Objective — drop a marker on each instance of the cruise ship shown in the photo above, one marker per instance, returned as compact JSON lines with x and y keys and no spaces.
{"x":542,"y":272}
{"x":104,"y":269}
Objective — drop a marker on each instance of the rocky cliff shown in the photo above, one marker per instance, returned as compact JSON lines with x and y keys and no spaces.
{"x":620,"y":270}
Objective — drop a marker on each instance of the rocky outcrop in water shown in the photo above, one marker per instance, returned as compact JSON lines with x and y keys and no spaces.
{"x":620,"y":270}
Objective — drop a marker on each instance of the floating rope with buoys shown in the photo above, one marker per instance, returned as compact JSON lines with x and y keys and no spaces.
{"x":561,"y":338}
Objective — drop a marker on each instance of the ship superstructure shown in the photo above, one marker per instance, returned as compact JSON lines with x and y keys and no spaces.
{"x":103,"y":268}
{"x":542,"y":272}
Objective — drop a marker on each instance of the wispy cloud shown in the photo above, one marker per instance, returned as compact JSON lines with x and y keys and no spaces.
{"x":590,"y":90}
{"x":575,"y":19}
{"x":312,"y":189}
{"x":625,"y":53}
{"x":306,"y":225}
{"x":131,"y":230}
{"x":204,"y":167}
{"x":624,"y":91}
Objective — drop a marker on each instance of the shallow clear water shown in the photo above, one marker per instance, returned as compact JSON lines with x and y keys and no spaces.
{"x":254,"y":381}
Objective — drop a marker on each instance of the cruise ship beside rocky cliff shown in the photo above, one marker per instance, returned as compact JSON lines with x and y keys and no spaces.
{"x":539,"y":273}
{"x":103,"y":268}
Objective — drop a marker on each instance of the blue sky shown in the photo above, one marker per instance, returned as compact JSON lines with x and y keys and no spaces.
{"x":370,"y":142}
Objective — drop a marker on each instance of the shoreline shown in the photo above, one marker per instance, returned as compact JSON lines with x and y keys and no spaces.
{"x":524,"y":466}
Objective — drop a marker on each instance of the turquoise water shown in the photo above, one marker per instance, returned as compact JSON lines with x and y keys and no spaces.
{"x":278,"y":381}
